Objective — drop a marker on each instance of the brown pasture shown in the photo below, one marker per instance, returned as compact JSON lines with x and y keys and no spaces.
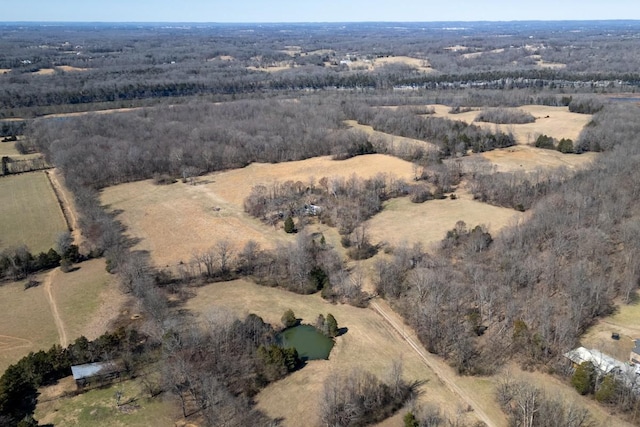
{"x":369,"y":344}
{"x":428,"y":222}
{"x":174,"y":221}
{"x":527,"y":159}
{"x":557,"y":122}
{"x":394,"y":143}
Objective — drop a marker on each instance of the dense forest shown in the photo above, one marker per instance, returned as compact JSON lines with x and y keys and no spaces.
{"x":209,"y":100}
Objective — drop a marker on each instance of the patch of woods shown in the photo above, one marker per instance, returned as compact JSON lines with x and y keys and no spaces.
{"x":505,"y":116}
{"x":530,"y":292}
{"x":359,"y":398}
{"x":529,"y":406}
{"x":453,"y":138}
{"x":18,"y":263}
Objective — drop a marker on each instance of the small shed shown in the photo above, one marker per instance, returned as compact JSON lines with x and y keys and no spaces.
{"x":97,"y":374}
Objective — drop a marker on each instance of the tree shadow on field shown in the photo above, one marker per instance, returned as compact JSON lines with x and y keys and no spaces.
{"x":342,"y":331}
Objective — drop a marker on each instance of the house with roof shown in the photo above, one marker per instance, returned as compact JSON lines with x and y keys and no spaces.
{"x":634,"y":357}
{"x":604,"y":363}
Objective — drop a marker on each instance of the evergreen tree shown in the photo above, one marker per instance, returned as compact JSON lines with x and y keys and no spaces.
{"x":289,"y":319}
{"x":289,"y":226}
{"x":584,"y":378}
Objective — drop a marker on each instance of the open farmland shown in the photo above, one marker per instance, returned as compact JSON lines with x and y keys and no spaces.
{"x":557,"y":122}
{"x":428,"y":222}
{"x":370,"y":344}
{"x":30,"y":212}
{"x":524,"y":158}
{"x":26,"y":323}
{"x":8,"y":149}
{"x":174,"y":221}
{"x":86,"y":299}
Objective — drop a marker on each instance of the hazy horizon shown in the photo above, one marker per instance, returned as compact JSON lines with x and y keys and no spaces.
{"x":314,"y":11}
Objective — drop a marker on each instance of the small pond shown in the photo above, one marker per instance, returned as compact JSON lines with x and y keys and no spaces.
{"x":310,"y":344}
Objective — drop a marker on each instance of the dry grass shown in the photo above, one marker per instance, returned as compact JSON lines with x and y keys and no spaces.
{"x":369,"y":344}
{"x":5,"y":70}
{"x":68,"y":68}
{"x":271,"y":69}
{"x":30,"y":212}
{"x":529,"y":159}
{"x":419,"y":64}
{"x":26,"y":323}
{"x":394,"y":143}
{"x":626,"y":322}
{"x":44,"y":72}
{"x":87,"y":299}
{"x":97,"y":407}
{"x":428,"y":222}
{"x":8,"y":149}
{"x":557,"y":122}
{"x":174,"y":221}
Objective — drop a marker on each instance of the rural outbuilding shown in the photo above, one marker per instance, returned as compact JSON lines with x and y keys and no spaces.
{"x":97,"y":374}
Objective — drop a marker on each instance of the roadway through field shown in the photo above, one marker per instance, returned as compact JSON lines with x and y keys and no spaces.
{"x":48,"y":280}
{"x":448,"y":378}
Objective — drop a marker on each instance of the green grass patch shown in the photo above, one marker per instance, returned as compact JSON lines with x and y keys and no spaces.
{"x":30,"y":212}
{"x":98,"y":407}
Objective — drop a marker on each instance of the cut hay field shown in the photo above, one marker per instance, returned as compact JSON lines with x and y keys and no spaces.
{"x":557,"y":122}
{"x":175,"y":221}
{"x":30,"y":212}
{"x":87,"y":300}
{"x":428,"y":222}
{"x":370,"y":344}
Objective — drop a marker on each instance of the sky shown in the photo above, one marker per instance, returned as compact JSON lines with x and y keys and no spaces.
{"x":313,"y":10}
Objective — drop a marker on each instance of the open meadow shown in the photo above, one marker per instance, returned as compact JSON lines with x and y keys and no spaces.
{"x":369,"y":344}
{"x":557,"y":122}
{"x":30,"y":212}
{"x":86,"y":300}
{"x":428,"y":222}
{"x":175,"y":221}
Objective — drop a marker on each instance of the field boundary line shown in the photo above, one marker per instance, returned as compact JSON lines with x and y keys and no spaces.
{"x":440,"y":373}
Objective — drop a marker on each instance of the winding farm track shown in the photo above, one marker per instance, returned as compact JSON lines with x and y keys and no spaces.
{"x":48,"y":280}
{"x":448,"y":378}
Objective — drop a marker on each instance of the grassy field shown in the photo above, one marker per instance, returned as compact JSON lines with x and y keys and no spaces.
{"x":626,"y":322}
{"x":8,"y":149}
{"x":370,"y":343}
{"x":30,"y":212}
{"x":557,"y":122}
{"x":26,"y":323}
{"x":428,"y":222}
{"x":87,"y":298}
{"x":174,"y":221}
{"x":98,"y":407}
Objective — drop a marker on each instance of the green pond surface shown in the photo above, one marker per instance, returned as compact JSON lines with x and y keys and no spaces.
{"x":310,"y":344}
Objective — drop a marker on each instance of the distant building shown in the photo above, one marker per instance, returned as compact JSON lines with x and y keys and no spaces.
{"x":95,"y":374}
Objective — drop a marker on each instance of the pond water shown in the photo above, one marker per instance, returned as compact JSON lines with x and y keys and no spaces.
{"x":310,"y":344}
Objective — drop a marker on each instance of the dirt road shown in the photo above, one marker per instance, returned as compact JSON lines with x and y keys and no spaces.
{"x":442,"y":371}
{"x":54,"y":308}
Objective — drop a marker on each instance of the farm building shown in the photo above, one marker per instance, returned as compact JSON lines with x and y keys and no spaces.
{"x":605,"y":364}
{"x":98,"y":373}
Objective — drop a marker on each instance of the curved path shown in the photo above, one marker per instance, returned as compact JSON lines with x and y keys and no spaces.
{"x":54,"y":308}
{"x":443,"y":374}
